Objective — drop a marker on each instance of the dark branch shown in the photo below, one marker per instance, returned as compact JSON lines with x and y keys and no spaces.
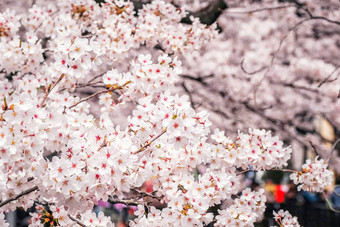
{"x":149,"y":143}
{"x":151,"y":195}
{"x":261,"y":9}
{"x":189,"y":94}
{"x":26,"y":192}
{"x":124,"y":201}
{"x":76,"y":220}
{"x":251,"y":73}
{"x":209,"y":14}
{"x":199,"y":79}
{"x":329,"y":76}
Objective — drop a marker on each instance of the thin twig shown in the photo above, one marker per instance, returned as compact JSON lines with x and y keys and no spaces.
{"x":281,"y":170}
{"x":244,"y":171}
{"x":200,"y":79}
{"x":100,"y":92}
{"x":89,"y":97}
{"x":251,"y":73}
{"x":145,"y":193}
{"x":125,"y":201}
{"x":90,"y":84}
{"x":96,"y":77}
{"x":319,"y":17}
{"x":261,"y":9}
{"x":209,"y":14}
{"x":325,"y":19}
{"x":149,"y":143}
{"x":333,"y":149}
{"x":284,"y":170}
{"x":189,"y":94}
{"x":313,"y":147}
{"x":26,"y":192}
{"x":299,"y":87}
{"x":335,"y":192}
{"x":326,"y":79}
{"x":49,"y":91}
{"x":329,"y":203}
{"x":76,"y":220}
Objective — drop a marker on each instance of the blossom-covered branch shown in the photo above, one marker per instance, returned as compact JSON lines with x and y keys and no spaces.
{"x":26,"y":192}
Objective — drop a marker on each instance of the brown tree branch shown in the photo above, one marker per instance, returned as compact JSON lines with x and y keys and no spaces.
{"x":149,"y":143}
{"x":251,"y":73}
{"x":312,"y":17}
{"x":282,"y":170}
{"x":93,"y":85}
{"x":96,"y":77}
{"x":50,"y":89}
{"x":26,"y":192}
{"x":333,"y":149}
{"x":294,"y":86}
{"x":259,"y":10}
{"x":329,"y":76}
{"x":113,"y":88}
{"x":189,"y":94}
{"x":76,"y":220}
{"x":89,"y":97}
{"x":145,"y":193}
{"x":209,"y":14}
{"x":124,"y":201}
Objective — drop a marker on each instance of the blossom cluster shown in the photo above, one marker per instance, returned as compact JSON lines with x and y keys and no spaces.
{"x":144,"y":79}
{"x":58,"y":216}
{"x":24,"y":56}
{"x":314,"y":176}
{"x":285,"y":219}
{"x":2,"y":220}
{"x":258,"y":150}
{"x":9,"y":24}
{"x":244,"y":210}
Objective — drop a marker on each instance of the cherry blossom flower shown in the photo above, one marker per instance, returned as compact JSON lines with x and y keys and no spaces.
{"x":285,"y":219}
{"x":314,"y":176}
{"x":2,"y":220}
